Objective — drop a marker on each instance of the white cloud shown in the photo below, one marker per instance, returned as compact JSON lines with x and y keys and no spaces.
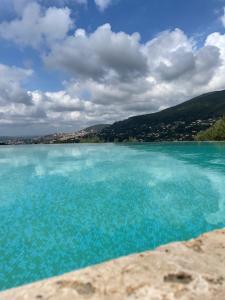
{"x":36,"y":26}
{"x":62,"y":2}
{"x":217,"y":40}
{"x":16,"y":104}
{"x":103,"y":4}
{"x":17,"y":7}
{"x":87,"y":56}
{"x":113,"y":76}
{"x":20,"y":5}
{"x":170,"y":59}
{"x":223,"y":18}
{"x":123,"y":77}
{"x":11,"y":90}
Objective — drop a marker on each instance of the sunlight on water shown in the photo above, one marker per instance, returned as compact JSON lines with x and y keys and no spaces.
{"x":63,"y":207}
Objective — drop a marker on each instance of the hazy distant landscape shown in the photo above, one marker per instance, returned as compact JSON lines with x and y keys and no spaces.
{"x":184,"y":122}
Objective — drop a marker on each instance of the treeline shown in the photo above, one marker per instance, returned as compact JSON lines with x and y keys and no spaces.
{"x":214,"y":133}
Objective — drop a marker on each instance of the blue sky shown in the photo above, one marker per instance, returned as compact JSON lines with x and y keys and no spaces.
{"x":62,"y":78}
{"x":195,"y":18}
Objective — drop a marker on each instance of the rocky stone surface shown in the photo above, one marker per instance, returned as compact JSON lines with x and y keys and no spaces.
{"x":193,"y":270}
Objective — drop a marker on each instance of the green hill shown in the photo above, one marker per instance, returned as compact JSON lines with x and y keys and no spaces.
{"x":95,"y":128}
{"x":181,"y":122}
{"x":214,"y":133}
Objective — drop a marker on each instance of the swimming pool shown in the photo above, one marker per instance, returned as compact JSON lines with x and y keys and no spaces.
{"x":64,"y":207}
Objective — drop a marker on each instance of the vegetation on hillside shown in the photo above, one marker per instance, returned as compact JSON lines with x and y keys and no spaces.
{"x":182,"y":122}
{"x":214,"y":133}
{"x":178,"y":123}
{"x":91,"y":139}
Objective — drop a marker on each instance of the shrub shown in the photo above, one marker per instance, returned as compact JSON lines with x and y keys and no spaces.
{"x":214,"y":133}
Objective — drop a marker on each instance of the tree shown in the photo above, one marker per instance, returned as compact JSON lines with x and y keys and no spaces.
{"x":214,"y":133}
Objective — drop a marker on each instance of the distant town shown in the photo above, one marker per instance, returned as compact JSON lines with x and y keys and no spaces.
{"x":175,"y":131}
{"x":182,"y":122}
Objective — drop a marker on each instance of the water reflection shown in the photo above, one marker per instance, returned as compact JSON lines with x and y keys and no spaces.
{"x":90,"y":203}
{"x":175,"y":174}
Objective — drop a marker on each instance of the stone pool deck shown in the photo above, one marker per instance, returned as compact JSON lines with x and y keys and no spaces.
{"x":193,"y":270}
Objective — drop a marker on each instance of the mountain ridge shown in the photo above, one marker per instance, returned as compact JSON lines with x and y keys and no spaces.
{"x":180,"y":122}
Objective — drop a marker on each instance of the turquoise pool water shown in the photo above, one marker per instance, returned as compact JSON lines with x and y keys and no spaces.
{"x":64,"y":207}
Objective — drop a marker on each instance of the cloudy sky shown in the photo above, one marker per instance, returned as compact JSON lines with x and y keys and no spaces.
{"x":68,"y":64}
